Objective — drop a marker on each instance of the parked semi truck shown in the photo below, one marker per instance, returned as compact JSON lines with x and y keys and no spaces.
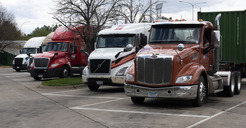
{"x":114,"y":52}
{"x":181,"y":60}
{"x":31,"y":48}
{"x":42,"y":48}
{"x":63,"y":56}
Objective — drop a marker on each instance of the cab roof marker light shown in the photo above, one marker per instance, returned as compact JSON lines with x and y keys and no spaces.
{"x":200,"y":20}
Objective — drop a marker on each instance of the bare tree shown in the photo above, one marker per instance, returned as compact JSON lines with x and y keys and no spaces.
{"x":8,"y":30}
{"x":136,"y":11}
{"x":90,"y":13}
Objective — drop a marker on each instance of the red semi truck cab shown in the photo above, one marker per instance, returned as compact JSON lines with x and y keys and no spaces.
{"x":181,"y":61}
{"x":63,"y":56}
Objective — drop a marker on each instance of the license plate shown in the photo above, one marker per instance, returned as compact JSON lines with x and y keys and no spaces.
{"x":99,"y":82}
{"x":17,"y":67}
{"x":152,"y":94}
{"x":40,"y":75}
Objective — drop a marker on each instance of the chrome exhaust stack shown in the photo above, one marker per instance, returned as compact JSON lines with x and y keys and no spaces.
{"x":217,"y":43}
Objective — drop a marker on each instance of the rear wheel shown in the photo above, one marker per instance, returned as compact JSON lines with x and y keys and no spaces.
{"x":137,"y":100}
{"x":238,"y":82}
{"x":230,"y":90}
{"x":201,"y":93}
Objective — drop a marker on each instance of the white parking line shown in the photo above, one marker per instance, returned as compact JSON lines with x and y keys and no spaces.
{"x":61,"y":95}
{"x":139,"y":112}
{"x":78,"y":107}
{"x":215,"y":115}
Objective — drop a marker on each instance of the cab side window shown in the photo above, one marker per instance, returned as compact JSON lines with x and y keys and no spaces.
{"x":207,"y":37}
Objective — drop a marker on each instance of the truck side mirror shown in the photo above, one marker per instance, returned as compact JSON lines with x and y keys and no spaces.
{"x":128,"y":47}
{"x":39,"y":49}
{"x":216,"y":38}
{"x":28,"y":53}
{"x":83,"y":51}
{"x":143,"y":40}
{"x":20,"y":51}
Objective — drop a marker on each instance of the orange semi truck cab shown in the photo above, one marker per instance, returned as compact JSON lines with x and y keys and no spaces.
{"x":181,"y":61}
{"x":63,"y":56}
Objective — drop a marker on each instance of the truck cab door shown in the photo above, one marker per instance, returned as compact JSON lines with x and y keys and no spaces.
{"x":207,"y":47}
{"x":72,"y":55}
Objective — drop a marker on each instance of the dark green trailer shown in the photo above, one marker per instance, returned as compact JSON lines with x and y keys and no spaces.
{"x":233,"y":41}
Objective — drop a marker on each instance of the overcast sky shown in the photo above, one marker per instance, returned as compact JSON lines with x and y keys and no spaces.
{"x":30,"y":14}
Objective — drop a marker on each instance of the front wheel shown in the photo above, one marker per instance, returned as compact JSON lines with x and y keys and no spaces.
{"x":37,"y":78}
{"x":201,"y":93}
{"x":93,"y":86}
{"x":17,"y":70}
{"x":64,"y":73}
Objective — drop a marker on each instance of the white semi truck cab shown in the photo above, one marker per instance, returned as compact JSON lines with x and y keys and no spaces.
{"x":114,"y":52}
{"x":31,"y":47}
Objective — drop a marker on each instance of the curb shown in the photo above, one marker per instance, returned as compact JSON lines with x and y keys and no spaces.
{"x":62,"y":87}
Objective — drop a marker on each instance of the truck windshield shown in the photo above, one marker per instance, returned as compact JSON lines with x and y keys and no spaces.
{"x":57,"y":46}
{"x":29,"y":50}
{"x":115,"y":41}
{"x":185,"y":33}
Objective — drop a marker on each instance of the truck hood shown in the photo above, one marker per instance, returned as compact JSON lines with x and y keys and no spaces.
{"x":49,"y":54}
{"x":21,"y":56}
{"x":108,"y":53}
{"x":168,"y":49}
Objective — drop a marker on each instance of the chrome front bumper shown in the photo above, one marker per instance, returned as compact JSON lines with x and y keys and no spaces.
{"x":181,"y":92}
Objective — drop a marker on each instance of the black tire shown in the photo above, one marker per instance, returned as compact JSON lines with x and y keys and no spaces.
{"x":93,"y":86}
{"x":137,"y":100}
{"x":202,"y":94}
{"x":238,"y":82}
{"x":17,"y":70}
{"x":37,"y":78}
{"x":65,"y":72}
{"x":230,"y":90}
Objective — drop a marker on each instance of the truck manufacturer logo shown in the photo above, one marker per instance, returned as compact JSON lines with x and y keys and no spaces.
{"x":99,"y":66}
{"x":154,"y":55}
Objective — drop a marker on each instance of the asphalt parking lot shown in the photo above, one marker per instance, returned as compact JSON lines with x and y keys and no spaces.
{"x":24,"y":105}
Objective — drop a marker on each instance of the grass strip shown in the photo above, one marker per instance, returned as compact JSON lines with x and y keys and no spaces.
{"x":63,"y":82}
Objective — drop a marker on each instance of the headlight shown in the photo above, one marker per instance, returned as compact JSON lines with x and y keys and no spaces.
{"x":85,"y":71}
{"x":121,"y":72}
{"x":54,"y":65}
{"x":184,"y":79}
{"x":129,"y":77}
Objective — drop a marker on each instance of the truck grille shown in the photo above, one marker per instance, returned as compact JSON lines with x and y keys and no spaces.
{"x":18,"y":61}
{"x":154,"y":71}
{"x":99,"y":66}
{"x":41,"y":62}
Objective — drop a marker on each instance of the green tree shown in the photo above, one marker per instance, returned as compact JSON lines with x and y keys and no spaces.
{"x":43,"y":31}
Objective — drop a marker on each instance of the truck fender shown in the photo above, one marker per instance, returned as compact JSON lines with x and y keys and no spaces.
{"x":194,"y":69}
{"x":61,"y":62}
